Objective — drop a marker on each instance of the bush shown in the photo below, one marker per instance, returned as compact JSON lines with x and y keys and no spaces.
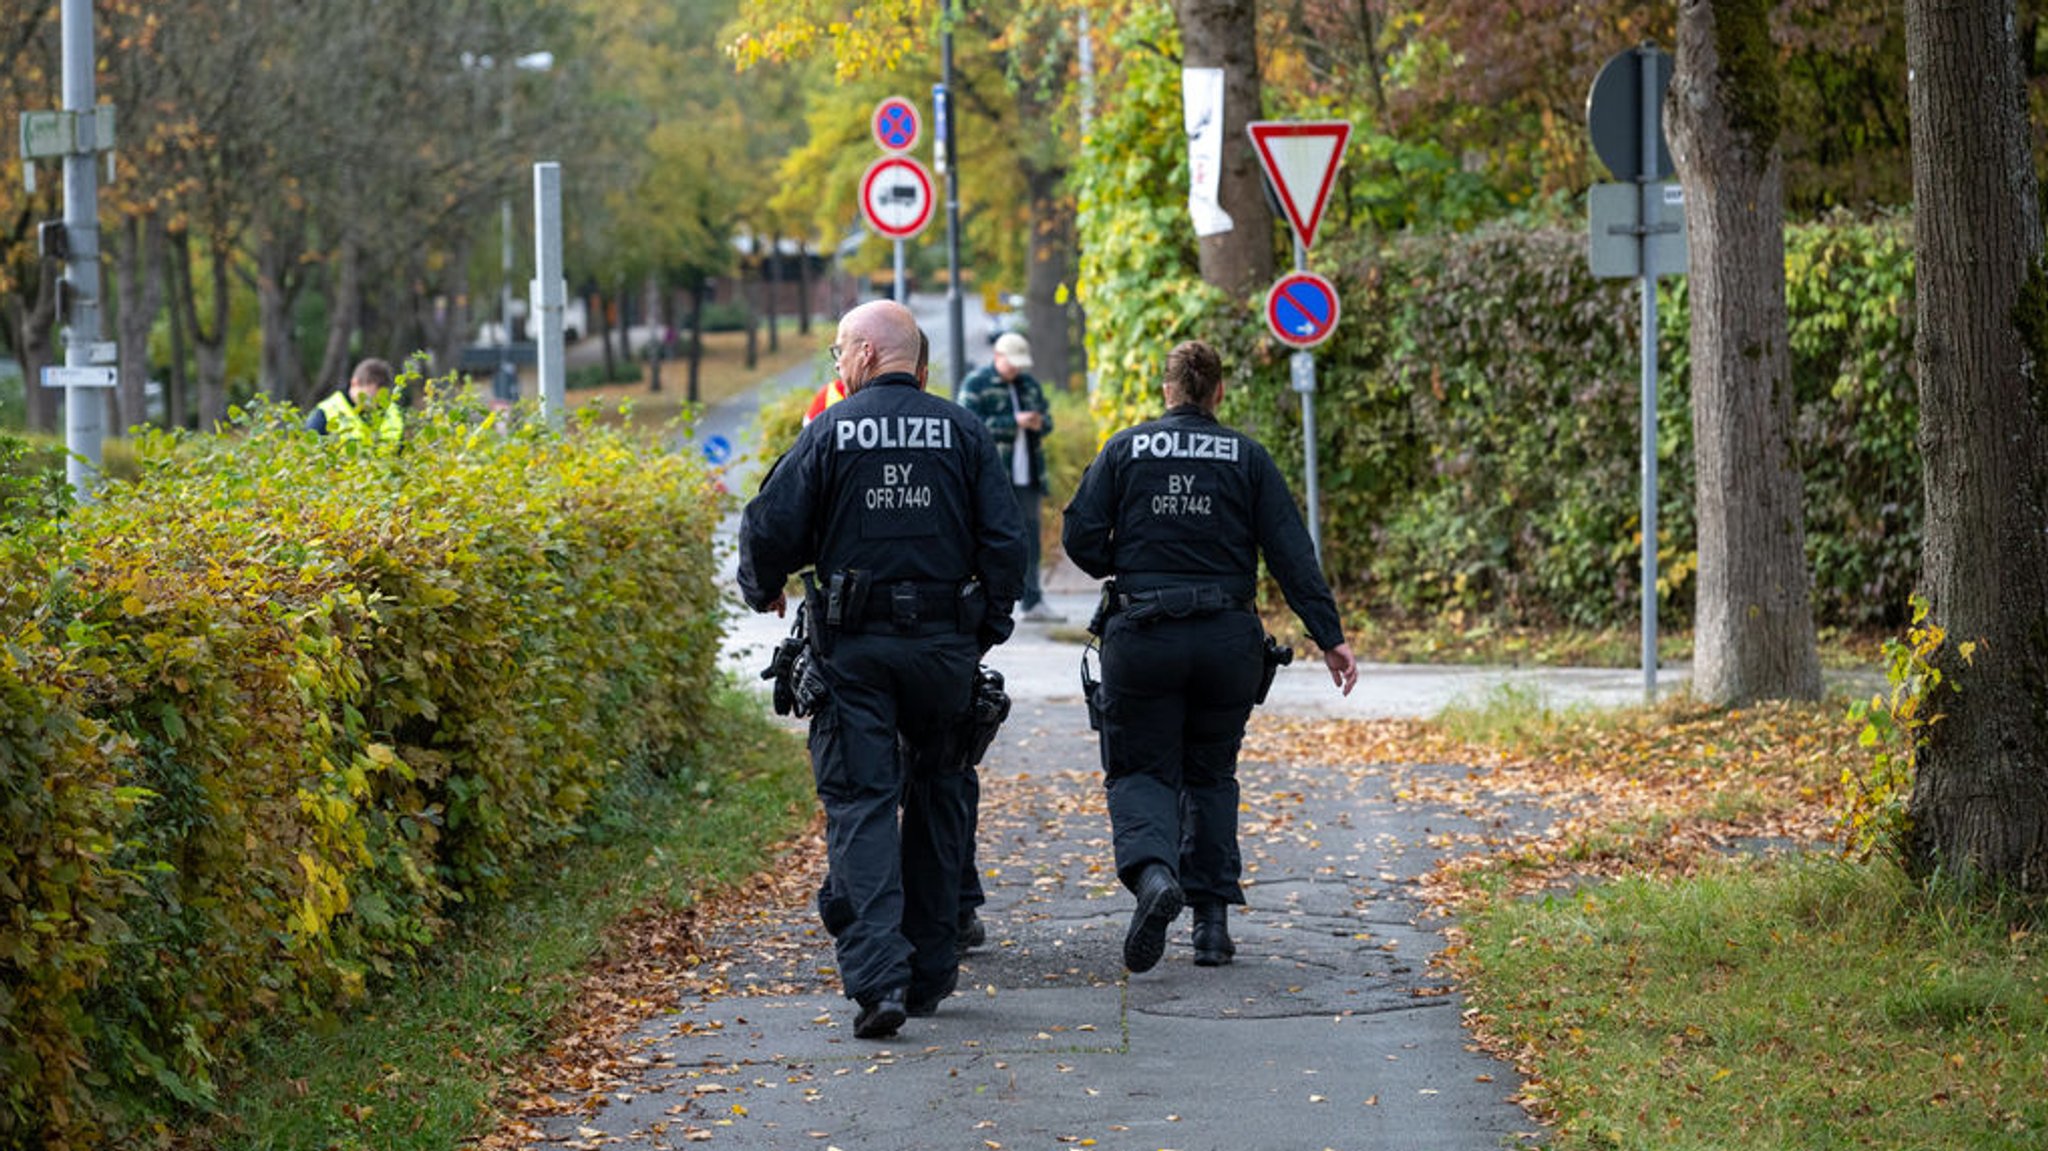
{"x":727,"y":316}
{"x":274,"y":706}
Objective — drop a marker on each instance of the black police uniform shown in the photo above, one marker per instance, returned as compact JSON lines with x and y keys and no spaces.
{"x":1178,"y":510}
{"x":901,"y":497}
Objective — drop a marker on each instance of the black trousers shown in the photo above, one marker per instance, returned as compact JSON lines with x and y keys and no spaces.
{"x":1176,"y":695}
{"x":880,"y":743}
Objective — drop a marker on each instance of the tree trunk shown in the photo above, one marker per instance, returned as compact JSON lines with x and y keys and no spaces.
{"x":804,"y":288}
{"x":601,"y":307}
{"x":34,"y":327}
{"x":1979,"y":808}
{"x":209,"y":346}
{"x":177,"y":389}
{"x":344,"y":315}
{"x":696,"y":336}
{"x":1753,"y":632}
{"x":139,"y":295}
{"x":1049,"y":266}
{"x":1224,"y":34}
{"x":277,"y":256}
{"x":753,"y":320}
{"x":771,"y":287}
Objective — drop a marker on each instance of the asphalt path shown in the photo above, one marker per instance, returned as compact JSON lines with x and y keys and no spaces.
{"x":1331,"y":1030}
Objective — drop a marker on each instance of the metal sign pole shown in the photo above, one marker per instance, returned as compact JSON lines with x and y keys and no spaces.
{"x":902,"y":296}
{"x":1304,"y":366}
{"x":549,"y":290}
{"x":85,"y":409}
{"x":1647,"y":213}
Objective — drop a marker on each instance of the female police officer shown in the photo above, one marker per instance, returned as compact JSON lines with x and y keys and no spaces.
{"x":899,"y":501}
{"x":1178,"y":510}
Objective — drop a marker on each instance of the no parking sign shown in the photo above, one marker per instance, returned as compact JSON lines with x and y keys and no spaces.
{"x":1302,"y":309}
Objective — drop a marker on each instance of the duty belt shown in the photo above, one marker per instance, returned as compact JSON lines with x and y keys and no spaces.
{"x":1179,"y":602}
{"x":912,"y":605}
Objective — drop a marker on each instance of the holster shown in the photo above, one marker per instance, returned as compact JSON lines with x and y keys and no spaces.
{"x":1104,"y":608}
{"x":1274,"y":658}
{"x":986,"y":711}
{"x":1091,"y":687}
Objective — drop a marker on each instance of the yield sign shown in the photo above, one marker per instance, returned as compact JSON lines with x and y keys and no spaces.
{"x":1301,"y":158}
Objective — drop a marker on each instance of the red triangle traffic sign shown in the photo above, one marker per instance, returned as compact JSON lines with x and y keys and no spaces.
{"x":1301,"y":158}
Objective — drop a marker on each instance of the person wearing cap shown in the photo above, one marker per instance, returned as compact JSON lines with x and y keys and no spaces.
{"x":1179,"y":511}
{"x":1011,"y":404}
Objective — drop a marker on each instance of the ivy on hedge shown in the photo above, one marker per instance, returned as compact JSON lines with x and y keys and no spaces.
{"x":1477,"y":407}
{"x":269,"y":710}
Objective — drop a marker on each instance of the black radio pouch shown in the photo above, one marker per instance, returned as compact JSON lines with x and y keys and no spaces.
{"x":1274,"y":657}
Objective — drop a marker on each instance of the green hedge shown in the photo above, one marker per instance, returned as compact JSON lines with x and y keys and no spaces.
{"x":271,"y":709}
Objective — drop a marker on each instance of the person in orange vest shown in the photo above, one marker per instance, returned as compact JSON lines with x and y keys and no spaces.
{"x":835,"y":389}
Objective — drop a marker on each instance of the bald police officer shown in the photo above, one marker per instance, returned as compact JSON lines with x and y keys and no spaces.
{"x":899,"y":503}
{"x":1178,"y":510}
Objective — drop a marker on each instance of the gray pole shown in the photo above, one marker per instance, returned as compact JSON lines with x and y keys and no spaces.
{"x":547,"y":264}
{"x":85,"y":409}
{"x":1306,"y":385}
{"x":902,"y":296}
{"x":1646,"y":69}
{"x":955,"y":310}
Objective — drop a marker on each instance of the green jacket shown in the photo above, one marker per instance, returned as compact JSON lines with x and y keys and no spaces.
{"x":985,"y":394}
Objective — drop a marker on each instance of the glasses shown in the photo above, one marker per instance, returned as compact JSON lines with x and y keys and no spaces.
{"x":838,"y":351}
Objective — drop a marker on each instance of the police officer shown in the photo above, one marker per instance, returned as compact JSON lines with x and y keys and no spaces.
{"x":1178,"y":510}
{"x":896,"y":498}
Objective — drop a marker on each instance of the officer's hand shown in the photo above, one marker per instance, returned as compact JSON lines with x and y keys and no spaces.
{"x":1031,"y":421}
{"x":779,"y":606}
{"x":1343,"y":667}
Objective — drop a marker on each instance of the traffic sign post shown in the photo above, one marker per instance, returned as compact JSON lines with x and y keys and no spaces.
{"x":896,"y":197}
{"x":1300,"y":159}
{"x":1625,"y":117}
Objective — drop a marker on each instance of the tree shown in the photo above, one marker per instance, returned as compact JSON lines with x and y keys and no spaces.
{"x":1753,"y":632}
{"x":1979,"y":807}
{"x":1224,"y":34}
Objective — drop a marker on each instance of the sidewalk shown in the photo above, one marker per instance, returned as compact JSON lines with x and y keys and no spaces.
{"x":1330,"y":1030}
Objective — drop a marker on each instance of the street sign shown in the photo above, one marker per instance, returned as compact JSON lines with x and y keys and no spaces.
{"x":717,"y":450}
{"x":103,"y":352}
{"x":895,"y":124}
{"x":939,"y":128}
{"x":1302,"y":309}
{"x":56,"y":377}
{"x":1616,"y":106}
{"x":1301,"y":158}
{"x":1620,"y":242}
{"x":46,"y":134}
{"x":896,"y":196}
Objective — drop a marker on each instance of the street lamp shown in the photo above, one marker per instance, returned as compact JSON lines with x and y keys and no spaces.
{"x":506,"y":386}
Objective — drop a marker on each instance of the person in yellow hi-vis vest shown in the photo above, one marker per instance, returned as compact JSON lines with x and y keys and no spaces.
{"x":342,"y":414}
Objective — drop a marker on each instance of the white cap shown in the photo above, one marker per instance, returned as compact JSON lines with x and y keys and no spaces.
{"x":1015,"y":349}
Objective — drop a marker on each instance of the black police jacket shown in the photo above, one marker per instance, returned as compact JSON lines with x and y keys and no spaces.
{"x":1183,"y":500}
{"x":893,"y":482}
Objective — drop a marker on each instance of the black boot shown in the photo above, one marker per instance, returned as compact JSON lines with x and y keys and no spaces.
{"x":881,"y":1016}
{"x":1212,"y":935}
{"x":1159,"y":901}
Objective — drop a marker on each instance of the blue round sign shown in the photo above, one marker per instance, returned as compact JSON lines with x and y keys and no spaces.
{"x":717,"y":449}
{"x":895,"y":124}
{"x":1302,"y":309}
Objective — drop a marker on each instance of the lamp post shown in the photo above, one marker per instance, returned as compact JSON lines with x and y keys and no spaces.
{"x":505,"y":386}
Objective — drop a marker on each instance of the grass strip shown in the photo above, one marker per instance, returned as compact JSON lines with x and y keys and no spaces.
{"x":1665,"y":990}
{"x":419,"y":1064}
{"x":1802,"y":1003}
